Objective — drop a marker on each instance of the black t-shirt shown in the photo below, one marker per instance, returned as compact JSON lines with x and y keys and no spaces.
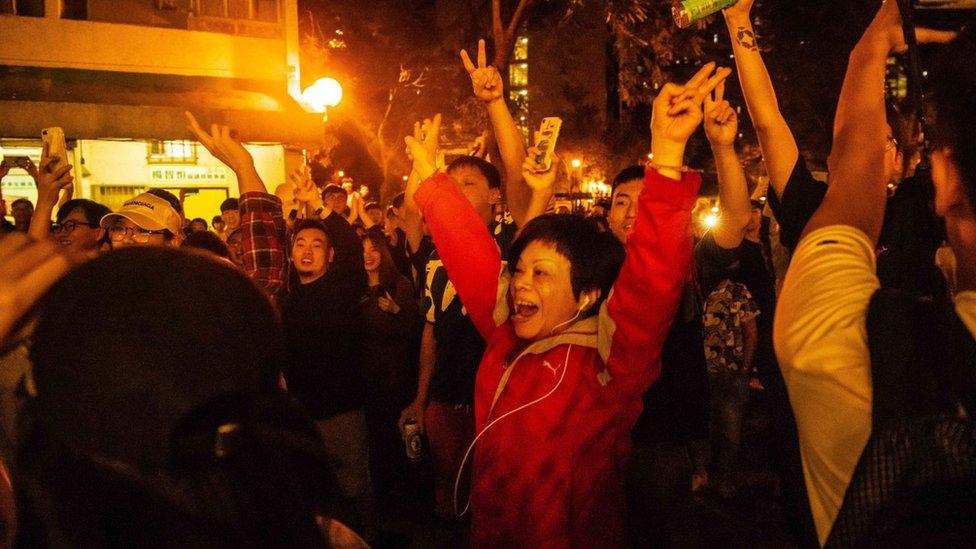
{"x":802,"y":196}
{"x":322,"y":325}
{"x":459,"y":345}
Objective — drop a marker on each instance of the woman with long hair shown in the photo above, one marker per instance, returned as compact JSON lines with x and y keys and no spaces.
{"x":392,"y":325}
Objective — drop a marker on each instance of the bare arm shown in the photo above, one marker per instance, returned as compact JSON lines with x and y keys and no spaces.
{"x":856,"y":196}
{"x":428,"y":353}
{"x":49,"y":185}
{"x":489,"y":87}
{"x":721,"y":128}
{"x":778,"y":145}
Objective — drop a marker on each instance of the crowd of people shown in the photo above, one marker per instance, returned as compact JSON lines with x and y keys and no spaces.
{"x":575,"y":378}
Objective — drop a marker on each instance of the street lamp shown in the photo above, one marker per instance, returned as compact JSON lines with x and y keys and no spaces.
{"x":576,"y":163}
{"x":324,"y":93}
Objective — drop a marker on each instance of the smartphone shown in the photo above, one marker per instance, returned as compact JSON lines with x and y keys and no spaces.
{"x":56,"y":146}
{"x":546,"y":140}
{"x":17,"y":161}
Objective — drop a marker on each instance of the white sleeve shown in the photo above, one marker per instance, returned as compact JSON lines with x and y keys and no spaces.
{"x":821,"y":343}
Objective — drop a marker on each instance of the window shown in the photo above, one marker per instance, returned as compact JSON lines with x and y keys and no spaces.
{"x":257,"y":10}
{"x":172,"y":152}
{"x":74,"y":9}
{"x":29,"y":8}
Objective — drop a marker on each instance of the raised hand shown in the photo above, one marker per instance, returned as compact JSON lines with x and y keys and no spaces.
{"x":305,"y":191}
{"x":479,"y":147}
{"x":222,"y":142}
{"x":428,"y":132}
{"x":677,"y":113}
{"x":677,"y":109}
{"x":485,"y":79}
{"x":742,"y":8}
{"x":51,"y":180}
{"x":721,"y":121}
{"x":537,"y":177}
{"x":886,"y":27}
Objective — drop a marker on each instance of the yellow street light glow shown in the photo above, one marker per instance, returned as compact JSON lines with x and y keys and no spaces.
{"x":405,"y":178}
{"x":341,"y":173}
{"x":710,"y":220}
{"x":325,"y":92}
{"x":576,"y":163}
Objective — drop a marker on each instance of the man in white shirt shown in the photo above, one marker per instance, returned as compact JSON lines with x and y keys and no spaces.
{"x":820,"y":327}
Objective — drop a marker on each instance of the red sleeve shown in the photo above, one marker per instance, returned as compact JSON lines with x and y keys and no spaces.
{"x":644,"y":298}
{"x":262,"y":240}
{"x":465,"y":246}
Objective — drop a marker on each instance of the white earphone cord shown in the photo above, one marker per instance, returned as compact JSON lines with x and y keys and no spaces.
{"x":467,"y":454}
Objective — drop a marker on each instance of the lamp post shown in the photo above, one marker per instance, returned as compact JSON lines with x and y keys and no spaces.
{"x":324,"y":93}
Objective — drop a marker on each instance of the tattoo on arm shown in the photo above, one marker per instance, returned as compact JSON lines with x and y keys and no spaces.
{"x":746,"y":38}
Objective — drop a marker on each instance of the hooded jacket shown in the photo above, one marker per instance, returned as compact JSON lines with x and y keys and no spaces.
{"x":553,"y":416}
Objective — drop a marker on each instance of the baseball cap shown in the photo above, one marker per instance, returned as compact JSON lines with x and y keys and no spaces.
{"x":149,"y":212}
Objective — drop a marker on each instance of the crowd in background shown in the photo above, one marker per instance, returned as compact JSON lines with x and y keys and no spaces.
{"x":577,"y":377}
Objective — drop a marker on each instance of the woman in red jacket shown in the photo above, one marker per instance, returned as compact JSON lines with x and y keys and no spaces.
{"x":560,"y":383}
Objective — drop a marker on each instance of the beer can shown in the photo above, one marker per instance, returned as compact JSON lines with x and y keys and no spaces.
{"x":686,"y":12}
{"x":413,"y":440}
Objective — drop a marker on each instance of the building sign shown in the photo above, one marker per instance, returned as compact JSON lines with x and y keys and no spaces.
{"x":188,"y":175}
{"x":19,"y":184}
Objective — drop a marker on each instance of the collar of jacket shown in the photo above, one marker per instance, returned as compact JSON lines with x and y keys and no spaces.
{"x":583,"y":333}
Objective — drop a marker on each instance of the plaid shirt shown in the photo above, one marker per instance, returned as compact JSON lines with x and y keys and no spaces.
{"x":263,"y":242}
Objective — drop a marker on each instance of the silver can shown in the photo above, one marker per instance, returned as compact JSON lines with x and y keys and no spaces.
{"x":413,"y":440}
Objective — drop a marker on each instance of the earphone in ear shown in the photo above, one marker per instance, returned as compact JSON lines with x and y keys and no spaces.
{"x":584,"y":304}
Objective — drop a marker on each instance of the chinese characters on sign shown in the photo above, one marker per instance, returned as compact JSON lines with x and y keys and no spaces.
{"x":188,"y":174}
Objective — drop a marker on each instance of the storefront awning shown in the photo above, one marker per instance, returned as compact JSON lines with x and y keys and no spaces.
{"x":109,"y":105}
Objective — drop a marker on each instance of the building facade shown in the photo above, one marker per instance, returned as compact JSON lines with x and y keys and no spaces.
{"x":117,"y":75}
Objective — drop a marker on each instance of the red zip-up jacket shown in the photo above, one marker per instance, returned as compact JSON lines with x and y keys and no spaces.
{"x":554,"y":415}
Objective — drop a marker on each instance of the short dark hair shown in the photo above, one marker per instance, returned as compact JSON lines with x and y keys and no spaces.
{"x":398,"y":200}
{"x":206,"y":240}
{"x":93,"y":211}
{"x":230,"y":204}
{"x":332,"y":188}
{"x":486,"y":168}
{"x":372,"y":206}
{"x":22,"y":201}
{"x":303,"y":224}
{"x":215,"y":219}
{"x":627,"y":174}
{"x":595,"y":256}
{"x":954,"y":83}
{"x":200,"y":219}
{"x":168,"y":197}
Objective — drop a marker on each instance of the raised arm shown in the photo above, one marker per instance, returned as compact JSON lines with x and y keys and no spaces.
{"x":489,"y":87}
{"x":858,"y":191}
{"x":49,"y":186}
{"x":427,"y":132}
{"x":636,"y":317}
{"x":465,"y":246}
{"x":541,"y":182}
{"x":775,"y":138}
{"x":262,"y":222}
{"x":721,"y":128}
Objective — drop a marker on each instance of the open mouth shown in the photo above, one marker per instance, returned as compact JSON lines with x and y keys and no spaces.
{"x":525,"y":310}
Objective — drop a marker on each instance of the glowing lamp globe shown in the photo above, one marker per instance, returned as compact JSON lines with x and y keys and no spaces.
{"x":325,"y":92}
{"x":576,"y":163}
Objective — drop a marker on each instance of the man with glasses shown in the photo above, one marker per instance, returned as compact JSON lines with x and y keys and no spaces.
{"x":77,"y":228}
{"x":144,"y":220}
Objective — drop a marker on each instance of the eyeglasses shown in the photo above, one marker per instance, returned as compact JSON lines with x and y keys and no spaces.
{"x":119,"y":232}
{"x":69,"y":226}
